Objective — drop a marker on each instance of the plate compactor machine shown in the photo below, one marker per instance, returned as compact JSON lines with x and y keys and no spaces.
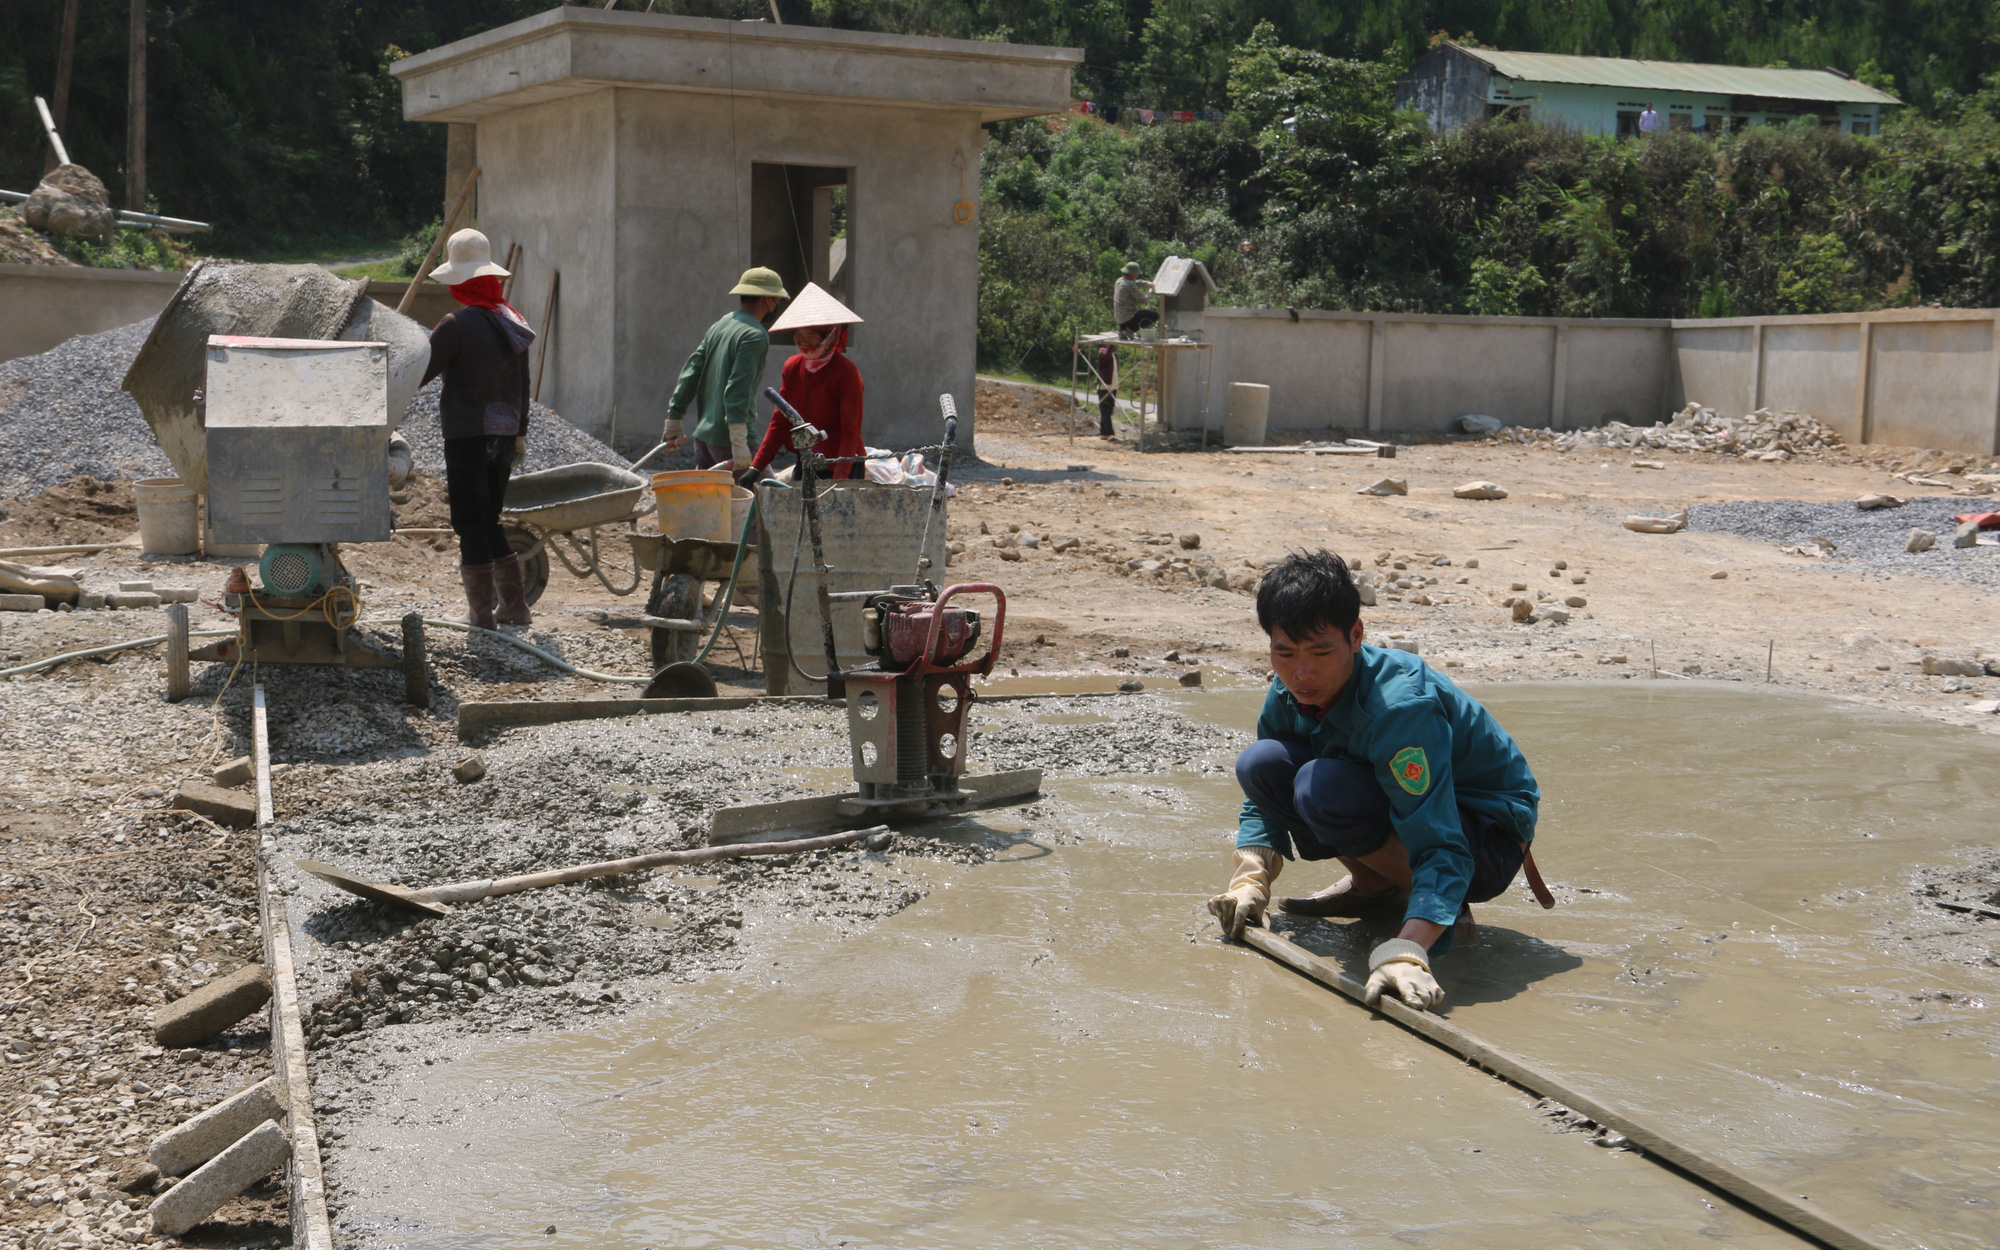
{"x":907,"y":709}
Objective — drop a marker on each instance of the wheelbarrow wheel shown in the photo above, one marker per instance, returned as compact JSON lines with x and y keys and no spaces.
{"x":534,"y":568}
{"x":676,"y":598}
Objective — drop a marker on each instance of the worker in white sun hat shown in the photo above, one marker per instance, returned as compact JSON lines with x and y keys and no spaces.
{"x":481,"y":350}
{"x":723,"y":373}
{"x":820,"y":382}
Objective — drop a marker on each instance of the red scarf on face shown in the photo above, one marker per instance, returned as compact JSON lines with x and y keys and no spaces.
{"x":830,"y":346}
{"x":484,"y":292}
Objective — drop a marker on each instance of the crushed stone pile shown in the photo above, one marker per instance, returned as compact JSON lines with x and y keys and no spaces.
{"x":1763,"y":433}
{"x":552,"y":441}
{"x":63,"y":416}
{"x":1855,"y":539}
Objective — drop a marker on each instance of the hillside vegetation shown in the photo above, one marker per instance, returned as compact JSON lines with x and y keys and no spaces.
{"x":280,"y":123}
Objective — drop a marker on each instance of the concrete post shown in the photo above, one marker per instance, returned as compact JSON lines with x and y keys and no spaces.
{"x":187,"y":1146}
{"x":1996,"y":387}
{"x":461,"y":157}
{"x":1378,"y":356}
{"x":1756,"y":368}
{"x":245,"y":1163}
{"x":1559,"y":378}
{"x":1864,"y":356}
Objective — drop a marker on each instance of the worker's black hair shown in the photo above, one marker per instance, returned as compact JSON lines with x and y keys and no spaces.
{"x":1304,"y":593}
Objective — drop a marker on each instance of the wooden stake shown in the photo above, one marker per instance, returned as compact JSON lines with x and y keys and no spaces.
{"x":1704,"y":1168}
{"x":548,"y":324}
{"x":135,"y":112}
{"x":424,"y":269}
{"x":507,"y":283}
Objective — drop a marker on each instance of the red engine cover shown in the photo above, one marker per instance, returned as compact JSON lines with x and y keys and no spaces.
{"x":909,"y":624}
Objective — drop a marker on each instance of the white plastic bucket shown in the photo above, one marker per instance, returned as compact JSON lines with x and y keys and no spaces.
{"x":695,"y":503}
{"x":739,"y":511}
{"x":1249,"y":410}
{"x":168,"y":525}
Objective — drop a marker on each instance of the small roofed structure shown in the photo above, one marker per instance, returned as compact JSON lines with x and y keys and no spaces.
{"x":651,"y":159}
{"x":1454,"y":85}
{"x":1183,"y":286}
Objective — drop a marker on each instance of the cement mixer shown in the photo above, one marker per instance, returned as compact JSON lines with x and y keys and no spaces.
{"x":268,"y":302}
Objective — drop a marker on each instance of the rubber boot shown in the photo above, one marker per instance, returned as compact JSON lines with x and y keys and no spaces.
{"x":511,"y":589}
{"x":478,"y":579}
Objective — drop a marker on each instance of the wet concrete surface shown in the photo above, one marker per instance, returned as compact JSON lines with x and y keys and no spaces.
{"x":1051,"y":1048}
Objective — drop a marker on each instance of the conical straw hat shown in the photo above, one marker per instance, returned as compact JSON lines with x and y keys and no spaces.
{"x":814,"y":307}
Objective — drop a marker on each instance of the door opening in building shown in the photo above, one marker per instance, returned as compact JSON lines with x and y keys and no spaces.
{"x":800,"y":226}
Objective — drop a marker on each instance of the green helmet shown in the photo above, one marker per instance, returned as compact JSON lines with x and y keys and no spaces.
{"x":761,"y":281}
{"x":1131,"y":269}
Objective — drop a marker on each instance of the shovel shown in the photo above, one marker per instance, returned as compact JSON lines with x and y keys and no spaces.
{"x":431,"y":900}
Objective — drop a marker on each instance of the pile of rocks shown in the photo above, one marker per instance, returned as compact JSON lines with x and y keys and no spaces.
{"x":71,"y":200}
{"x":1763,"y":434}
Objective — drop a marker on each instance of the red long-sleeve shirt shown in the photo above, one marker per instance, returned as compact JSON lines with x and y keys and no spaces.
{"x":829,"y":399}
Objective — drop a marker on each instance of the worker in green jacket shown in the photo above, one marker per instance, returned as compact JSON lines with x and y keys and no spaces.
{"x":722,"y":376}
{"x":1373,"y":758}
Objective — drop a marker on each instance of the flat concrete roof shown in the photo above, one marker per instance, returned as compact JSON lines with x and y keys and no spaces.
{"x":570,"y":51}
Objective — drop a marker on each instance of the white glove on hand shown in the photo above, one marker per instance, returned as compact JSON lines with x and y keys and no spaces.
{"x":1249,"y":891}
{"x":671,"y":431}
{"x":739,"y":446}
{"x":1404,"y":967}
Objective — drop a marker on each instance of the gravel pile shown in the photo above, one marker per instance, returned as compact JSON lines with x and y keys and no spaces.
{"x":1871,"y":540}
{"x":62,"y":415}
{"x":552,"y":441}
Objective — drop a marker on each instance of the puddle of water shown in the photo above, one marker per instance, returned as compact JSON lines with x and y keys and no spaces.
{"x":1053,"y":1049}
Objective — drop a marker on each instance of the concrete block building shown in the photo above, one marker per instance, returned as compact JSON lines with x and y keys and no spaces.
{"x":650,"y":159}
{"x":1454,"y":85}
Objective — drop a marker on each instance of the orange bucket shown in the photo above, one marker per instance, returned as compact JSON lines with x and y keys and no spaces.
{"x":694,"y":503}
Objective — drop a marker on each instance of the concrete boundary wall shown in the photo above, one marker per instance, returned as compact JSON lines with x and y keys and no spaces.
{"x":44,"y":305}
{"x":1926,"y":377}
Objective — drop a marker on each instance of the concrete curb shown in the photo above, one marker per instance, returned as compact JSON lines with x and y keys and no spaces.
{"x":312,"y":1229}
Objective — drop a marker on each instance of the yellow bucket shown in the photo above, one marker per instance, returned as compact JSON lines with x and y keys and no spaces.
{"x":694,"y":503}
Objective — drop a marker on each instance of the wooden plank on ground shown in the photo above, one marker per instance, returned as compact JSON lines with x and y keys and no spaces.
{"x":312,"y":1229}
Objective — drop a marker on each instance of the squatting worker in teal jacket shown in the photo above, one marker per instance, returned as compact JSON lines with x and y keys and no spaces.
{"x":1371,"y":757}
{"x":723,"y":374}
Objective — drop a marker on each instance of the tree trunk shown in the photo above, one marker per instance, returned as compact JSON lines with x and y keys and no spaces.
{"x":135,"y":113}
{"x":65,"y":70}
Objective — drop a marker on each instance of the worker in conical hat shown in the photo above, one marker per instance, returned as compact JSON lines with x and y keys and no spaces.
{"x":820,"y":382}
{"x":723,"y":374}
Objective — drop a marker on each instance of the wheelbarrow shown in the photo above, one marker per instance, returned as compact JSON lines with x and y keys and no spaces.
{"x":561,"y":510}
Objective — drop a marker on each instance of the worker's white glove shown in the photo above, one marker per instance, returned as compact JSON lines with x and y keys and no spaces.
{"x":1402,"y":966}
{"x":739,"y":446}
{"x":1249,"y":890}
{"x":671,"y":431}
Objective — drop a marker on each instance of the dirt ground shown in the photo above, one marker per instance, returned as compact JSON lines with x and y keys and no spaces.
{"x":1141,"y":569}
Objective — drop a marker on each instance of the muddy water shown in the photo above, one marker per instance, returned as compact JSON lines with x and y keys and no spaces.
{"x":1052,"y":1050}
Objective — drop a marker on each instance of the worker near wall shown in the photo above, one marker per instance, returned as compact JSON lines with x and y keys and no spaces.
{"x":1128,"y":302}
{"x":723,"y":374}
{"x":820,"y":382}
{"x":1371,"y":757}
{"x":482,"y":352}
{"x":1106,"y":370}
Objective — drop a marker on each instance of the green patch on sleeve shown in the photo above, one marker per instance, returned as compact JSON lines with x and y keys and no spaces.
{"x":1413,"y":771}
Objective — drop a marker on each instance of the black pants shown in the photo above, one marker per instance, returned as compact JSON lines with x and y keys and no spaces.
{"x":1139,"y":320}
{"x":475,"y":481}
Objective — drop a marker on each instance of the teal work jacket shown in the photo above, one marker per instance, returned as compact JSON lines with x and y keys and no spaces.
{"x":1433,"y":747}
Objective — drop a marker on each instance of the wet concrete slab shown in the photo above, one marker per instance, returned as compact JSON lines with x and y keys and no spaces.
{"x":1052,"y":1049}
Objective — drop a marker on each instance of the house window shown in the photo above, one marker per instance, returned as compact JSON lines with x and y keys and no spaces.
{"x":1860,"y":128}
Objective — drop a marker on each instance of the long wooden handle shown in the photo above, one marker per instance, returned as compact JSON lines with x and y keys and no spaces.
{"x":548,"y":323}
{"x":423,"y":270}
{"x":1707,"y":1169}
{"x":467,"y":891}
